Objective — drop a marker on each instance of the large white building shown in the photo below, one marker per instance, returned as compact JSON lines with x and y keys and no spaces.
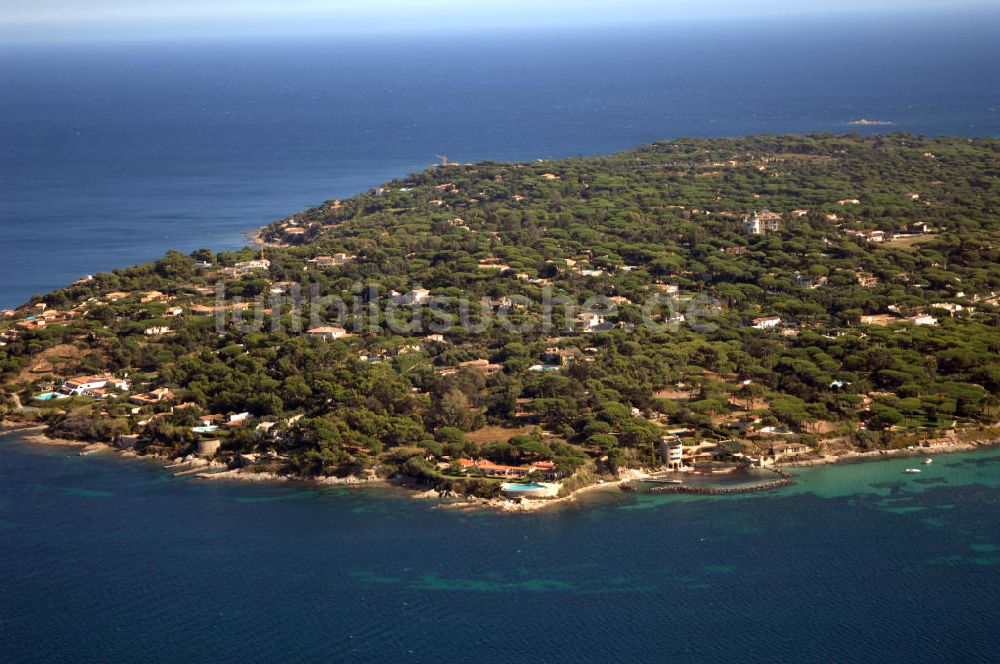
{"x":250,"y":266}
{"x":767,"y":322}
{"x":87,"y":384}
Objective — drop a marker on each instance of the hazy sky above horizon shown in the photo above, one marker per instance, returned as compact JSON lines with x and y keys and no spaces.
{"x":138,"y":19}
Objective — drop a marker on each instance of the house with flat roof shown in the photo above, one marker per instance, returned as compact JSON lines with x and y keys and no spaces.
{"x":923,"y":319}
{"x":766,"y":322}
{"x":482,"y":366}
{"x":327,"y":333}
{"x":249,"y":266}
{"x":788,"y":448}
{"x":88,"y":385}
{"x":336,"y":260}
{"x":415,"y":296}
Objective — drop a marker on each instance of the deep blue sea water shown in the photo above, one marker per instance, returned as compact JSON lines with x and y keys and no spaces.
{"x":106,"y":559}
{"x":111,"y":154}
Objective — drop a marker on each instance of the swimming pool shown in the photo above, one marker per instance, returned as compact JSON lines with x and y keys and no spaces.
{"x":49,"y":396}
{"x":508,"y":486}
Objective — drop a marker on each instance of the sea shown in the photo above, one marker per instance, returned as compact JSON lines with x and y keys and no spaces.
{"x":113,"y":153}
{"x":108,"y":559}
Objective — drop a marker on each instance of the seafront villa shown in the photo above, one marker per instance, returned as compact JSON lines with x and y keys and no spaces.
{"x":709,"y":457}
{"x":545,"y":469}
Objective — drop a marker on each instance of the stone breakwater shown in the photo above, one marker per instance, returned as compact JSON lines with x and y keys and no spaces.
{"x":708,"y":490}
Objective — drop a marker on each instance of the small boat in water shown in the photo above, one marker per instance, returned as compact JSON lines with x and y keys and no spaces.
{"x":928,"y":461}
{"x":912,"y":470}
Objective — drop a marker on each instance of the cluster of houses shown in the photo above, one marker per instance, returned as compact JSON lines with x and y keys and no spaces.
{"x":864,"y":279}
{"x":878,"y":236}
{"x":714,"y":457}
{"x":336,"y":260}
{"x":37,"y":318}
{"x":765,"y":221}
{"x":883,"y":320}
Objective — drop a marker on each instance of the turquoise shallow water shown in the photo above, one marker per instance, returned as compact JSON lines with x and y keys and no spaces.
{"x":107,"y":559}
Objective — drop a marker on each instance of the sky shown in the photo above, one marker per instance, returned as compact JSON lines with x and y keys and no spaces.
{"x":47,"y":20}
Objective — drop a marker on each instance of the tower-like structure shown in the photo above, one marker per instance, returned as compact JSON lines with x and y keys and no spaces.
{"x":672,"y":452}
{"x":752,"y":225}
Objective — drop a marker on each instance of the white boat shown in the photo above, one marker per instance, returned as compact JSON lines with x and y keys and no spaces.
{"x":912,"y":470}
{"x":928,"y":461}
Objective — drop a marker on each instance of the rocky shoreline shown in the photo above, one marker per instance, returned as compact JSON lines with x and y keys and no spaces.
{"x":241,"y":475}
{"x":204,"y":469}
{"x":875,"y":455}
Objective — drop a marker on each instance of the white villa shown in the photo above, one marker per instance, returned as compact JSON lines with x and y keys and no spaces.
{"x":90,"y":384}
{"x":250,"y":266}
{"x":767,"y":322}
{"x":327,"y":333}
{"x":415,"y":296}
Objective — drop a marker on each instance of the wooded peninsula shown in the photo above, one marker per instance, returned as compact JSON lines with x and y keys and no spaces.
{"x":751,"y":301}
